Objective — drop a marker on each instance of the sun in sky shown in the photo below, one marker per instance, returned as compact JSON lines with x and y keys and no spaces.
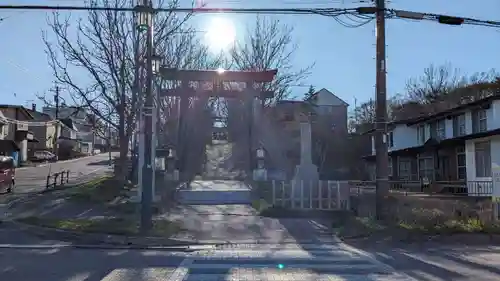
{"x":221,"y":34}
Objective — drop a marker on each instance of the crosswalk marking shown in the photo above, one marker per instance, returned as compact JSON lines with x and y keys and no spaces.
{"x":270,"y":262}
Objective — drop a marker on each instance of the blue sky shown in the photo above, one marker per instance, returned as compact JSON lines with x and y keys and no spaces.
{"x":343,"y":57}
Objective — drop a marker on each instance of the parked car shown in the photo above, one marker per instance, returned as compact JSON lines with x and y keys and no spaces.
{"x":43,"y":155}
{"x":7,"y":174}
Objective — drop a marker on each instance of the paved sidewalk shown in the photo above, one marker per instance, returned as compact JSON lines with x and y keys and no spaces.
{"x":240,"y":224}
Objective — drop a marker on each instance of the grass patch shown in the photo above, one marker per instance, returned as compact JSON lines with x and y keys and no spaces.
{"x":130,"y":208}
{"x":265,"y":209}
{"x":260,"y":205}
{"x":362,"y":227}
{"x":100,"y":190}
{"x":117,"y":226}
{"x":452,"y":227}
{"x":355,"y":226}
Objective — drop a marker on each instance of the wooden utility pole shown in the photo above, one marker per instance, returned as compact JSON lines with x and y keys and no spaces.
{"x":56,"y":134}
{"x":382,"y":161}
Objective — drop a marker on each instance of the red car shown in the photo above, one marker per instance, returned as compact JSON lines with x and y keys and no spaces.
{"x":7,"y":174}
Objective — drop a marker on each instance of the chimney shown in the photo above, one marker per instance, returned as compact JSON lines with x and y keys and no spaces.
{"x":33,"y":106}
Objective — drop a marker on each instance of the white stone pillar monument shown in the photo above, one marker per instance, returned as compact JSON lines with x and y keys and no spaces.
{"x":306,"y":173}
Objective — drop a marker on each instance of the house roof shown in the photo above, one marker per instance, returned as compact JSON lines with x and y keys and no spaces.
{"x":39,"y":116}
{"x":20,"y":107}
{"x":328,"y":92}
{"x":452,"y":111}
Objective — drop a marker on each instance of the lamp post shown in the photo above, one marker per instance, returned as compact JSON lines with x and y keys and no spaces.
{"x":171,"y":157}
{"x":156,"y":62}
{"x":144,"y":18}
{"x":260,"y":158}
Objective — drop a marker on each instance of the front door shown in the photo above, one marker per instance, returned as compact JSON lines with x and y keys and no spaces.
{"x":444,"y":168}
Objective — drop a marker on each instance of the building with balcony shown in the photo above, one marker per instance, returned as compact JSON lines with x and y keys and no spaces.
{"x":461,"y":144}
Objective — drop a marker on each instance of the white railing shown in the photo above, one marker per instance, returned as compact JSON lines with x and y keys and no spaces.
{"x":315,"y":195}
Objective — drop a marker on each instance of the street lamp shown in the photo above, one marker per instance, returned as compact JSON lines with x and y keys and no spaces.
{"x":260,"y":158}
{"x":156,"y":61}
{"x":171,"y":158}
{"x":144,"y":16}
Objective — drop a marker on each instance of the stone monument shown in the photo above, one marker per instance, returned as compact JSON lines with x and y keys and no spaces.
{"x":260,"y":173}
{"x":306,"y":173}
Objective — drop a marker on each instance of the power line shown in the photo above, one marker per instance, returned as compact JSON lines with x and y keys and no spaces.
{"x":330,"y":12}
{"x":178,"y":10}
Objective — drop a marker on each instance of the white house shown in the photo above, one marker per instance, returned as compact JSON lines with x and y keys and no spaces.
{"x":84,"y":129}
{"x":459,"y":144}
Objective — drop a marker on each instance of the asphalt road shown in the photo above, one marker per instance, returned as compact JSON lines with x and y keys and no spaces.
{"x":264,"y":262}
{"x":287,"y":262}
{"x":33,"y":179}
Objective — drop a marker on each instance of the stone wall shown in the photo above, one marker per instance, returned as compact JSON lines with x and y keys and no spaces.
{"x":424,"y":208}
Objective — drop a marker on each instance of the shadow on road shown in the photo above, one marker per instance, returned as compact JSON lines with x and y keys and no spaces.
{"x":92,"y":265}
{"x":432,"y":262}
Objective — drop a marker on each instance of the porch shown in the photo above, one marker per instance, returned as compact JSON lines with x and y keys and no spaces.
{"x":435,"y":167}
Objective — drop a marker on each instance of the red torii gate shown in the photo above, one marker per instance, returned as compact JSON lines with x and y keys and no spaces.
{"x":216,"y":77}
{"x":215,"y":80}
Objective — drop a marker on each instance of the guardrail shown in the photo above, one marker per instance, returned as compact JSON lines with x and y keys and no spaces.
{"x":57,"y":179}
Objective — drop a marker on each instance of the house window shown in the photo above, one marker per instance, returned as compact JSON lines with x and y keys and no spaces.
{"x":479,"y":121}
{"x":404,"y":169}
{"x":459,"y":125}
{"x":483,"y":159}
{"x":438,"y":129}
{"x":390,"y":139}
{"x":421,"y":134}
{"x":461,"y":166}
{"x":426,"y":168}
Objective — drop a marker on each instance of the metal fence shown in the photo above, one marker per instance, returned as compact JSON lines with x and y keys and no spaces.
{"x":459,"y":188}
{"x":315,"y":195}
{"x":57,"y":179}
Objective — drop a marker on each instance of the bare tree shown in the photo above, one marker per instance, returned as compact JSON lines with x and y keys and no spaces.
{"x":270,"y":45}
{"x":434,"y":83}
{"x":440,"y":83}
{"x":94,"y":60}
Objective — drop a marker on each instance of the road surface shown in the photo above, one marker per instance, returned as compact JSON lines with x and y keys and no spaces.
{"x":287,"y":262}
{"x":265,"y":262}
{"x":33,"y":179}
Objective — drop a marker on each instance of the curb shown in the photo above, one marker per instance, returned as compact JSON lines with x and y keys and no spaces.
{"x":82,"y":240}
{"x":452,"y":238}
{"x":98,"y":239}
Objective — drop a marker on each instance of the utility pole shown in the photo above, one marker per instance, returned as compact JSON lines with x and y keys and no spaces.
{"x":56,"y":134}
{"x":94,"y":129}
{"x":109,"y":142}
{"x":136,"y":168}
{"x":382,"y":161}
{"x":147,"y":175}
